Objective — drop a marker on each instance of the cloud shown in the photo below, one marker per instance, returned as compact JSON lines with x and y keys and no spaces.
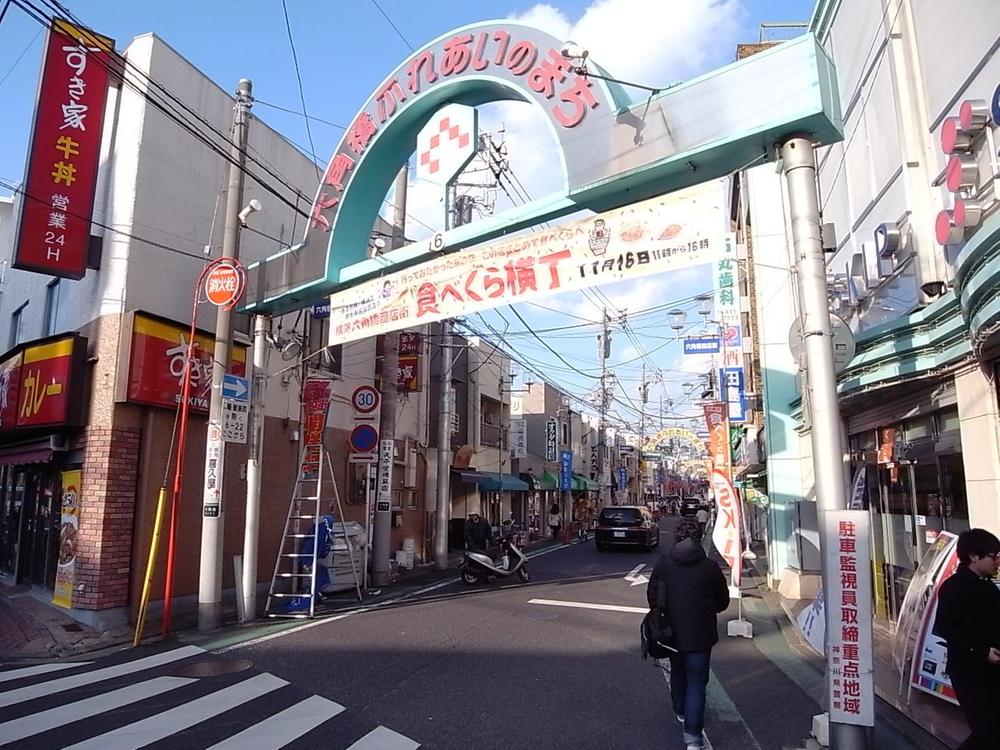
{"x":648,"y":41}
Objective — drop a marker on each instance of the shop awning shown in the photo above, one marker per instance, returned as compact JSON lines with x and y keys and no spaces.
{"x":35,"y":452}
{"x":548,"y":482}
{"x":493,"y":482}
{"x":584,"y":484}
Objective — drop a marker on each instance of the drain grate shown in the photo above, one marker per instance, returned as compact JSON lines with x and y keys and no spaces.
{"x":213,"y":668}
{"x":72,"y":627}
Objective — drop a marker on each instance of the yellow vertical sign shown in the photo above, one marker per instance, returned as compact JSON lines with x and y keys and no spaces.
{"x":68,"y":533}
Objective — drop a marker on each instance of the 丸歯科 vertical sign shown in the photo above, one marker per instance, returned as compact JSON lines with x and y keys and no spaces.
{"x":62,"y":594}
{"x":849,"y":618}
{"x":65,"y":151}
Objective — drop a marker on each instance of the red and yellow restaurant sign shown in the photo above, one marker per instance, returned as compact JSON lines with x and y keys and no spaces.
{"x":40,"y":384}
{"x":156,"y":364}
{"x":65,"y":152}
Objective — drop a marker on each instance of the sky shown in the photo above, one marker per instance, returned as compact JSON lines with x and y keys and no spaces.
{"x":346,"y":47}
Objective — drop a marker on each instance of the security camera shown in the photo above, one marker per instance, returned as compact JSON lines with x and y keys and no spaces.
{"x":576,"y":54}
{"x":933,"y":288}
{"x":252,"y":207}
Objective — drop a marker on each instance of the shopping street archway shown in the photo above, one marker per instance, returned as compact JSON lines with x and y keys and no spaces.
{"x":613,"y":152}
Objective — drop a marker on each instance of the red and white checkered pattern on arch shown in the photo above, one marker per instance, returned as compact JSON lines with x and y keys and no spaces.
{"x":447,"y":143}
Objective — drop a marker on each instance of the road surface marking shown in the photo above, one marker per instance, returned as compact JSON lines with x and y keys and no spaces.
{"x":635,"y":578}
{"x":382,"y":738}
{"x":587,"y":605}
{"x":17,"y":674}
{"x":158,"y":727}
{"x":277,"y":731}
{"x":39,"y":689}
{"x":360,"y":610}
{"x":43,"y":721}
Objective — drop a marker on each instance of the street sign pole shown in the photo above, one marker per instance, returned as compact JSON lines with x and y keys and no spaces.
{"x":798,"y":161}
{"x":210,"y":568}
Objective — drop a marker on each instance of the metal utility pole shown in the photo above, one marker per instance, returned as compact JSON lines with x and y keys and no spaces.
{"x":444,"y":453}
{"x":382,"y":534}
{"x":251,"y":531}
{"x":210,"y":570}
{"x":643,"y":398}
{"x":799,"y":168}
{"x":603,"y":354}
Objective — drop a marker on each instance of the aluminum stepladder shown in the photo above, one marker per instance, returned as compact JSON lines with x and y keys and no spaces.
{"x":302,"y":524}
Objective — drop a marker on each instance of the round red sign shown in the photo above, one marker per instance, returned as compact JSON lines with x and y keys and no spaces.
{"x":224,"y":284}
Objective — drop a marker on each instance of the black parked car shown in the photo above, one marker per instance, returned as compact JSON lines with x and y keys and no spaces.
{"x":627,"y":525}
{"x":691,"y":505}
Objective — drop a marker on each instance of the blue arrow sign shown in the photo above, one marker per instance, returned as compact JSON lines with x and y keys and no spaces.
{"x":235,"y":388}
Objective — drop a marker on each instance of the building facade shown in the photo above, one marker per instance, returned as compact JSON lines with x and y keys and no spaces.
{"x":913,"y":238}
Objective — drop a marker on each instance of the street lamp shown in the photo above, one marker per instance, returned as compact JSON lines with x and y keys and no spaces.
{"x":677,"y":320}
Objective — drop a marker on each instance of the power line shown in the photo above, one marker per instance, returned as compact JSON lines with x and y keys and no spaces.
{"x":394,"y":27}
{"x":23,"y":52}
{"x":302,"y":93}
{"x":296,"y":112}
{"x":170,"y":105}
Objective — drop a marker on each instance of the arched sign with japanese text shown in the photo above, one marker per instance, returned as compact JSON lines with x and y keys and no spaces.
{"x":675,"y":433}
{"x":612,"y":151}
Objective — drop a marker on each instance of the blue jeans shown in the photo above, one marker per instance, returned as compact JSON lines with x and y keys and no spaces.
{"x":688,"y":682}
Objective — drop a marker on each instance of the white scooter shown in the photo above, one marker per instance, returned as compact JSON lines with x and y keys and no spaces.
{"x":479,"y":567}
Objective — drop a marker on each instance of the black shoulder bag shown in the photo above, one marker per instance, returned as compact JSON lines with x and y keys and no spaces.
{"x":656,"y":635}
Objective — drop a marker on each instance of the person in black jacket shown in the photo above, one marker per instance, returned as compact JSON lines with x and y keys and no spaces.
{"x":478,"y":533}
{"x":968,"y":619}
{"x":696,"y":591}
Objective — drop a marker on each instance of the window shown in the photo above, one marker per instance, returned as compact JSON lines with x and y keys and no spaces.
{"x":15,"y":327}
{"x":331,"y":359}
{"x":51,"y":308}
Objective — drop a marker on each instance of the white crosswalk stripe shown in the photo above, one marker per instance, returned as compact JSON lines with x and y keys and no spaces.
{"x":155,"y":728}
{"x":278,"y":730}
{"x":40,"y":689}
{"x":382,"y":738}
{"x":43,"y":721}
{"x":160,"y":707}
{"x":38,"y":669}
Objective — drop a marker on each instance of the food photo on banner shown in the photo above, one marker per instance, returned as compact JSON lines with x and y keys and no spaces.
{"x":662,"y":234}
{"x":62,"y":594}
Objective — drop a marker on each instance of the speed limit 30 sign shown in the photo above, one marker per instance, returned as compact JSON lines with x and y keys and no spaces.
{"x":365,"y":399}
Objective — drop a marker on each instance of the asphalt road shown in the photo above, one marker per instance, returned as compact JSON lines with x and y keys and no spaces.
{"x":451,"y":668}
{"x":487,"y":668}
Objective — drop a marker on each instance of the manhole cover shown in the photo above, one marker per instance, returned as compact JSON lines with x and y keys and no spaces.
{"x":213,"y":667}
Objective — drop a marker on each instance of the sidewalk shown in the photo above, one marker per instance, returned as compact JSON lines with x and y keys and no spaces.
{"x":895,"y":727}
{"x":31,"y":629}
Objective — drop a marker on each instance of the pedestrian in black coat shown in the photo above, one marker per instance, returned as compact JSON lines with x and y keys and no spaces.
{"x":696,"y":591}
{"x":478,"y":533}
{"x":968,"y":619}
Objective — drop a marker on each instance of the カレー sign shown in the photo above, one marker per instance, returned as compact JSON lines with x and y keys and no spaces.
{"x":849,"y":618}
{"x":653,"y":236}
{"x":156,"y":364}
{"x":40,"y":384}
{"x":65,"y":152}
